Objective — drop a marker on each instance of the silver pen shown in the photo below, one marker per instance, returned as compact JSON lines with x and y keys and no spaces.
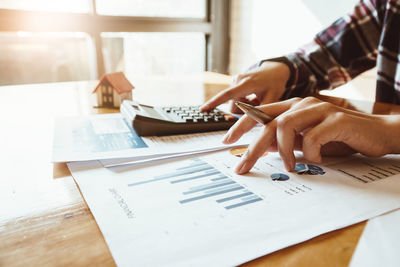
{"x":254,"y":113}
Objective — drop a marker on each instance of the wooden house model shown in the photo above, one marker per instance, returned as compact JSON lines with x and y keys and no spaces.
{"x":112,"y":89}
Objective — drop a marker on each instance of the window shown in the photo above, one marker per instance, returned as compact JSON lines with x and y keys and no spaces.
{"x":28,"y":57}
{"x":75,"y":6}
{"x":82,"y":39}
{"x":154,"y":53}
{"x":154,"y":8}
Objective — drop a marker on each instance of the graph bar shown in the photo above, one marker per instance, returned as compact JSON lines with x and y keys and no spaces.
{"x":381,"y":173}
{"x":174,"y":174}
{"x":387,"y":171}
{"x":250,"y":198}
{"x":379,"y":168}
{"x":366,"y":176}
{"x":208,"y":186}
{"x":210,"y":195}
{"x":219,"y":178}
{"x":234,"y":197}
{"x":221,"y":189}
{"x":195,"y":177}
{"x":373,"y":174}
{"x":184,"y":172}
{"x":395,"y":167}
{"x":354,"y":176}
{"x":196,"y":164}
{"x":243,"y":203}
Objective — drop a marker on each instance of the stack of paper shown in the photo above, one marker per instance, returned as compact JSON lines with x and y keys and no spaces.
{"x":109,"y":138}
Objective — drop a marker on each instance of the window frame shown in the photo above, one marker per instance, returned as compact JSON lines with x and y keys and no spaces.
{"x":215,"y":27}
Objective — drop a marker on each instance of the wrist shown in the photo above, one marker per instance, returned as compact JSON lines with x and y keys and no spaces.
{"x":392,"y":128}
{"x":285,"y":69}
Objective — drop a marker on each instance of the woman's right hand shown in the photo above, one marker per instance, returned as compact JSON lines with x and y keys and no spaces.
{"x":316,"y":128}
{"x":263,"y":85}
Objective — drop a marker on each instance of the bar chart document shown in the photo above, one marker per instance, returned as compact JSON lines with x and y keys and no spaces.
{"x":379,"y":243}
{"x":108,"y":136}
{"x":198,"y":212}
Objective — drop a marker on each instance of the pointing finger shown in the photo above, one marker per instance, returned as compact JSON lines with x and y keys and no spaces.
{"x":240,"y":90}
{"x":257,"y":148}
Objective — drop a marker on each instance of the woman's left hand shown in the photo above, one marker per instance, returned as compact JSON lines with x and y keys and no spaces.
{"x":316,"y":127}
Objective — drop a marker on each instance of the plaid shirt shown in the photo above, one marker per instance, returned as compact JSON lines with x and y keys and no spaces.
{"x":367,"y":37}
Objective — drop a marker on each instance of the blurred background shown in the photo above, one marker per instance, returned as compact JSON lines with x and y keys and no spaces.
{"x":72,"y":40}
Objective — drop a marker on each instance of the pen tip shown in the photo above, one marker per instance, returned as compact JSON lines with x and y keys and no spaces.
{"x":238,"y":103}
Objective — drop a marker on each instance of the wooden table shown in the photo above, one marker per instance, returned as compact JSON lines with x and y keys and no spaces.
{"x":44,"y":219}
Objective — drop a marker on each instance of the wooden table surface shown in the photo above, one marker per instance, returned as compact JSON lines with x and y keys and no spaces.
{"x":44,"y":219}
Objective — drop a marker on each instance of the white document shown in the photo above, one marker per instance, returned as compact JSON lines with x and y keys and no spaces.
{"x":108,"y":136}
{"x":198,"y":212}
{"x":140,"y":161}
{"x":379,"y":244}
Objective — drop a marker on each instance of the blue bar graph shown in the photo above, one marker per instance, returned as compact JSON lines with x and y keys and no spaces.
{"x":207,"y":183}
{"x":243,"y":203}
{"x":196,"y":177}
{"x":234,"y":197}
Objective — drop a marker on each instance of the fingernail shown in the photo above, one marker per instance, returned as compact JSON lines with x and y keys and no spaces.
{"x":240,"y":167}
{"x":226,"y":138}
{"x":289,"y":162}
{"x":287,"y":166}
{"x":292,"y":164}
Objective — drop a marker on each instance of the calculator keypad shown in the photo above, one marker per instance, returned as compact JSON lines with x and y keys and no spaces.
{"x":193,"y":114}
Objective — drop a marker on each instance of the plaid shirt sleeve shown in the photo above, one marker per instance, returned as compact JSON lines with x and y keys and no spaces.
{"x":339,"y":53}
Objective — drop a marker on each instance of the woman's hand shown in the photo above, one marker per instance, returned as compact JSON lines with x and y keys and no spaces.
{"x":265,"y":84}
{"x":316,"y":128}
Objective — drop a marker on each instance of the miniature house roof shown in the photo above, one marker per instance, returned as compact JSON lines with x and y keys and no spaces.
{"x":118,"y":81}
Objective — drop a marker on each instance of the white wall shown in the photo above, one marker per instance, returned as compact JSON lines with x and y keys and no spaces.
{"x":268,"y":28}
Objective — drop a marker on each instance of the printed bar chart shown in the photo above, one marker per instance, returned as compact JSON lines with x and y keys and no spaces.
{"x":365,"y":171}
{"x":213,"y":184}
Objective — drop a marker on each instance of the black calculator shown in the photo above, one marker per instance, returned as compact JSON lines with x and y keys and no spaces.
{"x":149,"y":121}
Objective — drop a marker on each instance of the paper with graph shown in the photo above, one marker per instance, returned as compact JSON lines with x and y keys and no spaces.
{"x":108,"y":137}
{"x":197,"y":212}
